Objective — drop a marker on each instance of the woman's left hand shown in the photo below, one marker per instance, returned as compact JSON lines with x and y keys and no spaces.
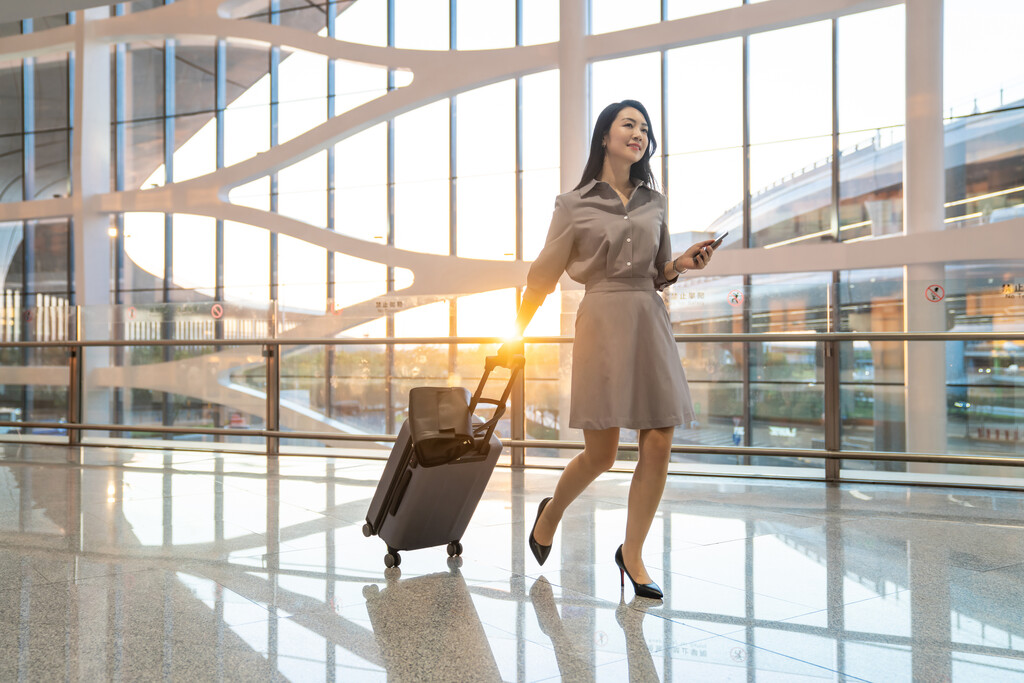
{"x":513,"y":347}
{"x":697,"y":256}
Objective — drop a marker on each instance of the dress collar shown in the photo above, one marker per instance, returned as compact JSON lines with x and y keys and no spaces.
{"x":589,"y":186}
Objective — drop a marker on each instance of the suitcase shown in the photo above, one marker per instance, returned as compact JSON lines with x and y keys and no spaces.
{"x":420,"y":507}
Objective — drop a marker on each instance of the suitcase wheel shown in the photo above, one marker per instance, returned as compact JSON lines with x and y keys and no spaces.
{"x":454,"y":549}
{"x":392,"y":559}
{"x":367,"y":531}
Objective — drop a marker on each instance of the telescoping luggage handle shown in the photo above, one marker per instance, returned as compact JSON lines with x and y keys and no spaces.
{"x":486,"y":429}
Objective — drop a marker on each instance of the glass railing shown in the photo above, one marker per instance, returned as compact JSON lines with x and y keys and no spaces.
{"x":799,"y":378}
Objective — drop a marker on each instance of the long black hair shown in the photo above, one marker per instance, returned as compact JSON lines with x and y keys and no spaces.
{"x":641,"y":170}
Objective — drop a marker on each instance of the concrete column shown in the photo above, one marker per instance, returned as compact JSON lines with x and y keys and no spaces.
{"x":574,"y":94}
{"x":90,"y":172}
{"x":923,"y":198}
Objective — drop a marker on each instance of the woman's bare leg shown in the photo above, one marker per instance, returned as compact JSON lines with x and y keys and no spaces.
{"x":644,"y":497}
{"x":597,"y":456}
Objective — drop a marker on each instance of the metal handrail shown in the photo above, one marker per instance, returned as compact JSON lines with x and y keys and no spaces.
{"x":750,"y":337}
{"x":628,"y":447}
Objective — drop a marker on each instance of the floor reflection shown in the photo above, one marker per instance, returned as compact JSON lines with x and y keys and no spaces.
{"x":143,"y":565}
{"x":427,"y":628}
{"x":571,"y":643}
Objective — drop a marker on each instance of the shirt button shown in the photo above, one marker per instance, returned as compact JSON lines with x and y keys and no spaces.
{"x":629,"y":239}
{"x":626,"y":217}
{"x":628,"y":263}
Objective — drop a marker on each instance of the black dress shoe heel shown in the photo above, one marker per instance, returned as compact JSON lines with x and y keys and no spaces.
{"x":643,"y":590}
{"x":539,"y":551}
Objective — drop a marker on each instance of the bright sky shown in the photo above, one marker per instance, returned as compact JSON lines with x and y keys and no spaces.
{"x":790,"y":129}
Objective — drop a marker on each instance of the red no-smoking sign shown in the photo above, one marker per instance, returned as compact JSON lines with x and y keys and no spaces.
{"x":934,"y":293}
{"x":217,"y":311}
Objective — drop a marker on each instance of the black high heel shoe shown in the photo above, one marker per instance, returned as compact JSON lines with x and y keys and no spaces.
{"x":539,"y":551}
{"x":643,"y":590}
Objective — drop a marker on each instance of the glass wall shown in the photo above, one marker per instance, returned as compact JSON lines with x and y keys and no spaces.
{"x":783,"y":138}
{"x":705,"y":141}
{"x":870,"y":107}
{"x":872,"y":397}
{"x":35,"y":142}
{"x":35,"y":255}
{"x":983,"y":93}
{"x":790,"y":141}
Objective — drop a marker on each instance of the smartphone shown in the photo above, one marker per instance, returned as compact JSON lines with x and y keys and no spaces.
{"x":714,"y":245}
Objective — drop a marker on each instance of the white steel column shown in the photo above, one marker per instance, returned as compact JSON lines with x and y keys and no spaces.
{"x":574,"y":138}
{"x":923,"y":197}
{"x":90,"y":162}
{"x":574,"y":91}
{"x":90,"y":174}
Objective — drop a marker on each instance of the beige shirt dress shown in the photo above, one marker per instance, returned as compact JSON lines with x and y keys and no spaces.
{"x":626,"y":368}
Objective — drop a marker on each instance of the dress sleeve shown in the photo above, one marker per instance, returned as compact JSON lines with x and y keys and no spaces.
{"x":550,"y":263}
{"x":664,"y":255}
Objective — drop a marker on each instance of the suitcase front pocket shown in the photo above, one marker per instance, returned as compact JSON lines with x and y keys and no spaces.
{"x":400,"y":493}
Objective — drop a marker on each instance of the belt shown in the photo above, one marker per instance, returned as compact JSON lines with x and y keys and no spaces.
{"x":622,"y":284}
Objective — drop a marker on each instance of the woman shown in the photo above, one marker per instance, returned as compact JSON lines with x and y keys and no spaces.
{"x":610,"y":233}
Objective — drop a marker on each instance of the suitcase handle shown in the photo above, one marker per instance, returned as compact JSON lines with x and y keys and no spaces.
{"x":512,"y":362}
{"x":516,"y":364}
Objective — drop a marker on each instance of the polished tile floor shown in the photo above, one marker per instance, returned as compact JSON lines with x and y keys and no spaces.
{"x":143,"y":565}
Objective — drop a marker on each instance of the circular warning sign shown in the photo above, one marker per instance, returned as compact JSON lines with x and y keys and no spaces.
{"x":131,"y":313}
{"x":934,"y":293}
{"x":735,"y":297}
{"x":217,"y":311}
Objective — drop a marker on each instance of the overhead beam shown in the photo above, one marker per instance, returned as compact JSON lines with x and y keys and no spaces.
{"x":15,"y":11}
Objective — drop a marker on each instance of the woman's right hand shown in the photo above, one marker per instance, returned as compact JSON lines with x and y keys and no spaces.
{"x":696,"y":257}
